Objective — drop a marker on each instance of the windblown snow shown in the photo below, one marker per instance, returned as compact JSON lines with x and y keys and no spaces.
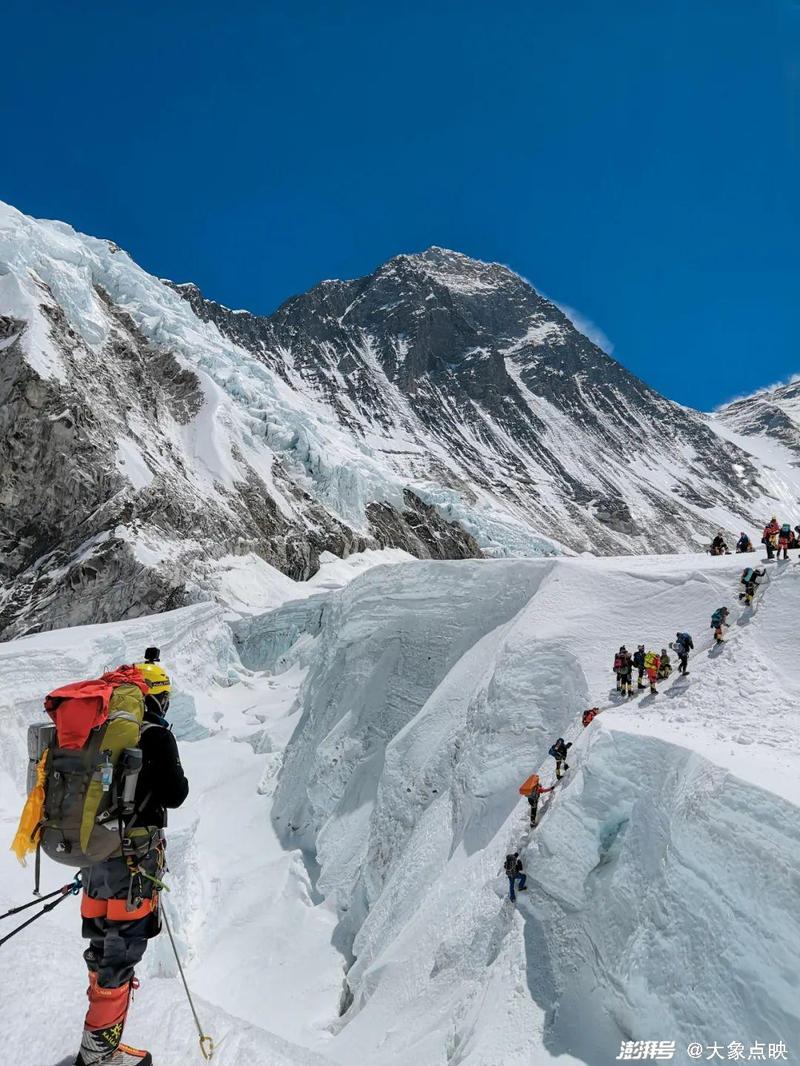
{"x":354,"y":758}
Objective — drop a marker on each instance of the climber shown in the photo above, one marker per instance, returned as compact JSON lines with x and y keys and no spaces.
{"x":117,"y":930}
{"x":750,"y":579}
{"x":623,"y":667}
{"x":770,"y":537}
{"x":532,"y":789}
{"x":665,"y":666}
{"x":744,"y":544}
{"x":559,"y":753}
{"x":514,"y":873}
{"x":784,"y":536}
{"x":719,"y":621}
{"x":638,"y":662}
{"x":652,"y":662}
{"x":618,"y":666}
{"x":589,"y":716}
{"x":682,"y":645}
{"x":718,"y":545}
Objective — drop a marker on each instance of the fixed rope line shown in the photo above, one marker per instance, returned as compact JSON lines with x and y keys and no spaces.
{"x":206,"y":1042}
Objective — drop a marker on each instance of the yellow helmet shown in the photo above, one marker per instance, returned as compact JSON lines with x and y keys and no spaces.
{"x":156,"y":677}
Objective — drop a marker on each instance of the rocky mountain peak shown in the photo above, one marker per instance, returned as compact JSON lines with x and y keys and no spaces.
{"x":773,"y":411}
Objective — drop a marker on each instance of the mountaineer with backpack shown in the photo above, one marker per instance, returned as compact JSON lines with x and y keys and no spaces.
{"x":514,"y":873}
{"x":719,"y":621}
{"x":750,"y":579}
{"x":784,"y":536}
{"x":618,"y":667}
{"x":638,"y":662}
{"x":664,"y":666}
{"x":589,"y":716}
{"x":718,"y":545}
{"x":744,"y":544}
{"x":682,"y":645}
{"x":559,"y":753}
{"x":110,"y":767}
{"x":531,"y":788}
{"x":652,"y":662}
{"x":770,"y":536}
{"x":624,"y":671}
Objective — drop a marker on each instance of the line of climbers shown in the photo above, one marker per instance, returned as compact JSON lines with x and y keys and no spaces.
{"x":100,"y":781}
{"x":657,"y":667}
{"x":532,"y":789}
{"x":776,"y":538}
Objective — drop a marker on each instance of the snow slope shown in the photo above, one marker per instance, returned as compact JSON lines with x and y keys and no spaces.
{"x":663,"y":901}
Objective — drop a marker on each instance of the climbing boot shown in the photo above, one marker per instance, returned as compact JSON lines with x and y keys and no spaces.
{"x":123,"y":1056}
{"x":102,"y":1033}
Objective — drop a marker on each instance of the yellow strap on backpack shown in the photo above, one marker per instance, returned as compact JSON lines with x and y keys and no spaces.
{"x":30,"y":827}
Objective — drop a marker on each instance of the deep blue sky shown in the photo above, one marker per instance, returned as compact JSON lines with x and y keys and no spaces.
{"x":637,"y":161}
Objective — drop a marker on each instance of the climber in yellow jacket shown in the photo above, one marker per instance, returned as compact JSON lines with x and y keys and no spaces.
{"x":652,"y":661}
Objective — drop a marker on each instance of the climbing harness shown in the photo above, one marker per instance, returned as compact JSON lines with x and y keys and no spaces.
{"x":72,"y":889}
{"x":206,"y":1042}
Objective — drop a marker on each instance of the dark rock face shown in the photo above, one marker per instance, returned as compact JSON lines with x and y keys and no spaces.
{"x":421,"y":530}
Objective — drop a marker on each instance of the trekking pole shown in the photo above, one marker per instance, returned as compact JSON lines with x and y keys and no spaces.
{"x":72,"y":889}
{"x":206,"y":1042}
{"x":36,"y":902}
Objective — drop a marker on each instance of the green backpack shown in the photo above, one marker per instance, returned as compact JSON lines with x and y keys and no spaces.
{"x":92,"y":766}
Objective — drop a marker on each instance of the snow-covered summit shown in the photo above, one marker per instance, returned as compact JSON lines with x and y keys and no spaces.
{"x":457,"y":272}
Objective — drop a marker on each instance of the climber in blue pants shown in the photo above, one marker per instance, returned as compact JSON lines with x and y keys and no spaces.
{"x":514,"y":873}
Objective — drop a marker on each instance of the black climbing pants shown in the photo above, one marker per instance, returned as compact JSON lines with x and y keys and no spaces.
{"x":118,"y":935}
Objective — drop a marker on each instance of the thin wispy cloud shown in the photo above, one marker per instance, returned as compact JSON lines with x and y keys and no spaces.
{"x":588,"y":328}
